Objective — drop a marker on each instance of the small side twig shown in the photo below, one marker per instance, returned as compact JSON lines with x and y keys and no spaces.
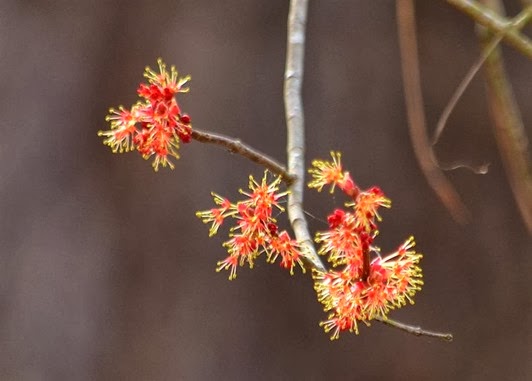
{"x":236,"y":146}
{"x":416,"y":331}
{"x":293,"y":79}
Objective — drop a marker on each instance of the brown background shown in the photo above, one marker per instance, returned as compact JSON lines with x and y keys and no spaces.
{"x":106,"y":274}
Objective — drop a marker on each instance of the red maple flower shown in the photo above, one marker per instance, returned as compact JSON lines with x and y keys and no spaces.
{"x":366,"y":286}
{"x":331,"y":173}
{"x":255,"y":230}
{"x":155,"y":125}
{"x":391,"y":283}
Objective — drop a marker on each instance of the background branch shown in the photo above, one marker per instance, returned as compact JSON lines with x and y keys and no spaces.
{"x":464,"y":84}
{"x":488,"y":47}
{"x":509,"y":129}
{"x":495,"y":23}
{"x":416,"y":116}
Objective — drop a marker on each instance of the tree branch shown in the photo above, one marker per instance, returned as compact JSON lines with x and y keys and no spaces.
{"x":293,"y":79}
{"x":495,"y":23}
{"x":509,"y":129}
{"x":518,"y":22}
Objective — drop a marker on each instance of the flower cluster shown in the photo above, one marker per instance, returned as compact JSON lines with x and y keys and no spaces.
{"x":155,"y":125}
{"x":367,"y":285}
{"x":256,"y":230}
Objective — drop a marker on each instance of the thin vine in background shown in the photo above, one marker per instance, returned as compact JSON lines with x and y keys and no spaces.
{"x":496,"y":23}
{"x":509,"y":128}
{"x":510,"y":133}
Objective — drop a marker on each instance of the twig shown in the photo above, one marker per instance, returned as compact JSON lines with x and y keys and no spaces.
{"x":446,"y":113}
{"x":495,"y":23}
{"x":293,"y":79}
{"x":236,"y":146}
{"x":417,"y":331}
{"x":416,"y":116}
{"x":509,"y":129}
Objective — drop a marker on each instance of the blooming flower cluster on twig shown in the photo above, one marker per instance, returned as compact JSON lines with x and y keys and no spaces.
{"x":367,"y":285}
{"x":155,"y":125}
{"x":256,"y":230}
{"x":361,"y":286}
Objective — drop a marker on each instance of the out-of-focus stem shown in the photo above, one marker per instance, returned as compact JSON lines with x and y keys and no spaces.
{"x":517,"y":22}
{"x":509,"y":129}
{"x":416,"y":115}
{"x":446,"y":113}
{"x":496,"y":23}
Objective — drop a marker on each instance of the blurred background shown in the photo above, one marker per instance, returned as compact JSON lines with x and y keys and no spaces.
{"x":105,"y":272}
